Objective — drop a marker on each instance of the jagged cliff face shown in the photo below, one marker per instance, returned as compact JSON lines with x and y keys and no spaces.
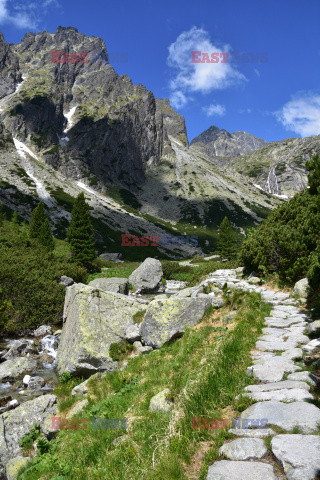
{"x":83,"y":118}
{"x":220,"y":143}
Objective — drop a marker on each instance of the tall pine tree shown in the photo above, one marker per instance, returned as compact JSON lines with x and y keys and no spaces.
{"x":39,"y":227}
{"x":45,"y":235}
{"x":227,"y":242}
{"x":37,"y":219}
{"x":80,"y":233}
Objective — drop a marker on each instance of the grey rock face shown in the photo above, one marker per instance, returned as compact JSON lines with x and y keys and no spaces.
{"x":229,"y":470}
{"x":113,"y":284}
{"x":94,"y":319}
{"x":243,"y":449}
{"x":147,"y":276}
{"x":11,"y":369}
{"x":299,"y":455}
{"x":168,"y":319}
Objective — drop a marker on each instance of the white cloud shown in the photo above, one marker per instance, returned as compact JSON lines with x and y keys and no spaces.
{"x":24,"y":15}
{"x":199,"y":77}
{"x":257,"y":72}
{"x":178,"y":99}
{"x":301,"y":114}
{"x":19,"y":19}
{"x":218,"y":110}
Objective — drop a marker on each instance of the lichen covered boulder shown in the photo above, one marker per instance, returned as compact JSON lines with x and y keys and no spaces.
{"x":113,"y":284}
{"x":93,"y":320}
{"x":168,"y":319}
{"x":17,"y":423}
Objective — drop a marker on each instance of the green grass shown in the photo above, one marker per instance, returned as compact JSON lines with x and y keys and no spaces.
{"x":121,"y":271}
{"x":205,"y":370}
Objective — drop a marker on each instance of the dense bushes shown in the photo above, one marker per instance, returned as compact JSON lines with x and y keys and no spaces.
{"x":29,"y":279}
{"x":288,"y":241}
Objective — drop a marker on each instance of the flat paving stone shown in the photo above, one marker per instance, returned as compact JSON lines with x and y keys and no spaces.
{"x":299,"y":455}
{"x":305,"y":377}
{"x":280,"y":322}
{"x":304,"y":415}
{"x":252,"y":432}
{"x":293,"y":354}
{"x":272,"y":370}
{"x":292,"y":395}
{"x":231,"y":470}
{"x":270,"y":387}
{"x":244,"y":448}
{"x":275,"y":345}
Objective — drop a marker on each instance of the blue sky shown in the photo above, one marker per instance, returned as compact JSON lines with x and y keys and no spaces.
{"x":274,"y":95}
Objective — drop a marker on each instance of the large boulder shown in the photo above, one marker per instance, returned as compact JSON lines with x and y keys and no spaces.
{"x":113,"y":284}
{"x":17,"y":423}
{"x":301,"y":288}
{"x":167,"y":319}
{"x":11,"y":369}
{"x":147,"y":277}
{"x":93,"y":320}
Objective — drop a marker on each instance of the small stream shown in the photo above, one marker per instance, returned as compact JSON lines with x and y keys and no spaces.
{"x":45,"y":354}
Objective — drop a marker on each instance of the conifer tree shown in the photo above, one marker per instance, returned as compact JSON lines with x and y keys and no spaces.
{"x":80,"y":233}
{"x":39,"y":227}
{"x":227,"y":242}
{"x":14,"y":218}
{"x":313,"y":167}
{"x":45,"y":235}
{"x":37,"y":219}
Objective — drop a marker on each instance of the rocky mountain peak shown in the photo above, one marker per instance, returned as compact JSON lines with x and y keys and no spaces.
{"x":218,"y":142}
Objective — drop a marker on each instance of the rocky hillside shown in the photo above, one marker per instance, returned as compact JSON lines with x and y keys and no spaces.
{"x":275,"y":167}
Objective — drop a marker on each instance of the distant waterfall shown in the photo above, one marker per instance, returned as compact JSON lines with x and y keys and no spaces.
{"x":272,"y":181}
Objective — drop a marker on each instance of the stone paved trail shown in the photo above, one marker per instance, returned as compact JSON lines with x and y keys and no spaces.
{"x":282,"y":395}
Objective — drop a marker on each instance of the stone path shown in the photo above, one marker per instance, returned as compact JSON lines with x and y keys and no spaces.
{"x":282,"y":395}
